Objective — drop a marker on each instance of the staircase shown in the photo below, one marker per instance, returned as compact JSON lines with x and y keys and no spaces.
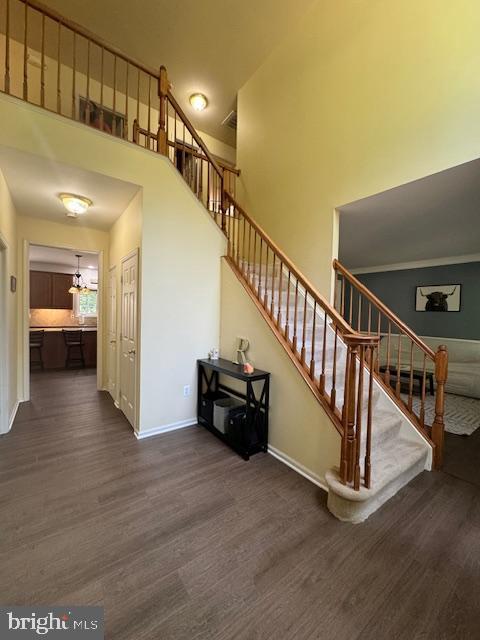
{"x":382,"y":450}
{"x":354,"y":354}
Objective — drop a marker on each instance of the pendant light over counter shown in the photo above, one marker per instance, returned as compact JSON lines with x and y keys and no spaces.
{"x":78,"y":285}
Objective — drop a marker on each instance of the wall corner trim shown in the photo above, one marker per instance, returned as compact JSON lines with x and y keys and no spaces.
{"x":154,"y":431}
{"x":13,"y":415}
{"x":299,"y":468}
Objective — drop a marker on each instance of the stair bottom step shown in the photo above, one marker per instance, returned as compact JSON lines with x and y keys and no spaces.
{"x":349,"y":505}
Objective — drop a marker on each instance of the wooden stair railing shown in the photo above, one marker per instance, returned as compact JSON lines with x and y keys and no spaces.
{"x":320,"y":343}
{"x":401,"y":355}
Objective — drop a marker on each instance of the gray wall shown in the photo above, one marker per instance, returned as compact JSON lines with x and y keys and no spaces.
{"x":397,"y":290}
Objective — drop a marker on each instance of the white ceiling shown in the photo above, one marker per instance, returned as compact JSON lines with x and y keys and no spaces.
{"x":35,"y":183}
{"x":63,"y":257}
{"x":212,"y":46}
{"x":435,"y":217}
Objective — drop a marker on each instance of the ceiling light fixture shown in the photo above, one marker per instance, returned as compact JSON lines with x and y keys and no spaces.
{"x":75,"y":205}
{"x":198,"y":101}
{"x":78,"y":285}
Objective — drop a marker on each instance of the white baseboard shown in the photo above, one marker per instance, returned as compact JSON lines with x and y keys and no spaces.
{"x":148,"y":433}
{"x":299,"y":468}
{"x":13,"y":415}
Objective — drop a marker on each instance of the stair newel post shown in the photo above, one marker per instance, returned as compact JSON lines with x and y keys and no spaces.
{"x":351,"y":437}
{"x":346,"y":393}
{"x":438,"y":426}
{"x":368,"y":442}
{"x":162,"y":143}
{"x":358,"y":424}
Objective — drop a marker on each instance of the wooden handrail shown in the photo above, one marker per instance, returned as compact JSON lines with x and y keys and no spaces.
{"x":384,"y":309}
{"x":192,"y":151}
{"x":345,"y":328}
{"x":78,"y":29}
{"x":194,"y":134}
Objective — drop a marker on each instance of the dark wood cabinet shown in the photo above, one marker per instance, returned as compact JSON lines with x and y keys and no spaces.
{"x":40,"y":290}
{"x":61,"y":283}
{"x":50,"y":290}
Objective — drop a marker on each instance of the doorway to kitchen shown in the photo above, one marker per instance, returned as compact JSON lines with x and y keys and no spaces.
{"x":63,"y":313}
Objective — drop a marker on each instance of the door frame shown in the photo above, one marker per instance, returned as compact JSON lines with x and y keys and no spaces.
{"x":116,"y":400}
{"x":4,"y":381}
{"x":130,"y":254}
{"x":26,"y":308}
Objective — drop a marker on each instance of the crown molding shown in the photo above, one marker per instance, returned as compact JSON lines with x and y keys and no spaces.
{"x":418,"y":264}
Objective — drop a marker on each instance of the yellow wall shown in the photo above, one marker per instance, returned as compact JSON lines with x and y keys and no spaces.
{"x":8,"y":377}
{"x":300,"y":431}
{"x":363,"y":96}
{"x":181,"y":250}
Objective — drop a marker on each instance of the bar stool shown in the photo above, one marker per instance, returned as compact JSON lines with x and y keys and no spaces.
{"x":36,"y":345}
{"x":74,"y":344}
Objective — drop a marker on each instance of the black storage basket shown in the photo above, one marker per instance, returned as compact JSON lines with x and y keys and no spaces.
{"x":243,"y":433}
{"x":205,"y":410}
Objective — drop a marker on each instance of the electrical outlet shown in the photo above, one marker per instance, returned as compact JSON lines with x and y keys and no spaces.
{"x":186,"y":391}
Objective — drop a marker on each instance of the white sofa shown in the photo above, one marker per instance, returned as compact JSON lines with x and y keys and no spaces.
{"x":463,"y":361}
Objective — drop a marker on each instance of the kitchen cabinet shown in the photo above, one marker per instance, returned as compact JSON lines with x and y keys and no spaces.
{"x":50,"y":290}
{"x":40,"y":290}
{"x":61,"y":283}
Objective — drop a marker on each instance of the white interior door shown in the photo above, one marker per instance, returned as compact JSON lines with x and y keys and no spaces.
{"x":128,"y":337}
{"x":112,"y":351}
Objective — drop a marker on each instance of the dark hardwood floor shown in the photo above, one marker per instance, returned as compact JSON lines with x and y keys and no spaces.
{"x":178,"y":538}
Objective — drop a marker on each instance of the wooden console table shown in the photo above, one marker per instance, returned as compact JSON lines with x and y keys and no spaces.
{"x":247,"y":433}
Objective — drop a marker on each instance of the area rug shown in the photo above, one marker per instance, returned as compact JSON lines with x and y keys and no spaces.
{"x":462,"y":415}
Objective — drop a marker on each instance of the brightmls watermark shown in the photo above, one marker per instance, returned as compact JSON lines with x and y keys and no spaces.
{"x":25,"y":623}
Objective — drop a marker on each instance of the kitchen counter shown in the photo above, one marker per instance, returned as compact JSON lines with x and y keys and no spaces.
{"x":72,"y":328}
{"x":54,"y":351}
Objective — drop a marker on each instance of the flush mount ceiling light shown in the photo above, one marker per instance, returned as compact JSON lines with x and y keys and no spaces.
{"x":75,"y":205}
{"x":198,"y":101}
{"x":78,"y":285}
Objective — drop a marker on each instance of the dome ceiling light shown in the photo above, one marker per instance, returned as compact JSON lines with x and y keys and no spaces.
{"x":75,"y":205}
{"x":198,"y":101}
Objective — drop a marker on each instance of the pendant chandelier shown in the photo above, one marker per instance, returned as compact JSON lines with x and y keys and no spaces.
{"x":78,"y":285}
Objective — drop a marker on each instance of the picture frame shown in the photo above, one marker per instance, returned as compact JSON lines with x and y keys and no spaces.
{"x":114,"y":121}
{"x":13,"y":284}
{"x":443,"y":298}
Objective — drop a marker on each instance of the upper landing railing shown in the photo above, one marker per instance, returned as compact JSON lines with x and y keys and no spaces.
{"x":52,"y":62}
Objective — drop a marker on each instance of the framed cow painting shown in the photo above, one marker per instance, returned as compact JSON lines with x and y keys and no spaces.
{"x":439,"y":297}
